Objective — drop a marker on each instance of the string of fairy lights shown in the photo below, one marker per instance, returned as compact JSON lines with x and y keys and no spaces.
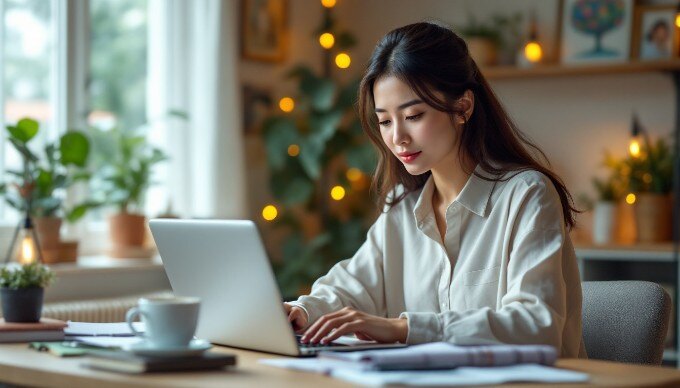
{"x":287,"y":105}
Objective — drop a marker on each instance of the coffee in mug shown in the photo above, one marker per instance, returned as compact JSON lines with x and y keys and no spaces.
{"x":170,"y":321}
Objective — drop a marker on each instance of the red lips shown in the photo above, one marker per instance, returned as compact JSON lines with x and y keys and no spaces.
{"x":408,"y":157}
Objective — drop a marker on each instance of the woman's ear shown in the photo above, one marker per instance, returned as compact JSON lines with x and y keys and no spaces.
{"x":466,"y":103}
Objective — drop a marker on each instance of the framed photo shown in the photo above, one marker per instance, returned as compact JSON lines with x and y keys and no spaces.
{"x":264,"y":29}
{"x":655,"y":36}
{"x":257,"y":104}
{"x":595,"y":31}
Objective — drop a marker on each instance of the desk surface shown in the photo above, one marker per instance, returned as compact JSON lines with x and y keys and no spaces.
{"x":20,"y":365}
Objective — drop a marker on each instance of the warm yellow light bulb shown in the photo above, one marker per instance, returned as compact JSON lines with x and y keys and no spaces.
{"x":634,"y":147}
{"x":677,"y":20}
{"x":630,"y":198}
{"x":293,"y":150}
{"x":27,"y":250}
{"x":327,"y":40}
{"x":287,"y":104}
{"x":533,"y":52}
{"x":353,"y":174}
{"x":343,"y":60}
{"x":269,"y":212}
{"x":328,"y":3}
{"x":338,"y":193}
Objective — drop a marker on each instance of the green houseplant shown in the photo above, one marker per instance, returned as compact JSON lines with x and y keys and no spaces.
{"x":312,"y":150}
{"x":651,"y":179}
{"x":39,"y":188}
{"x":123,"y":161}
{"x":22,"y":288}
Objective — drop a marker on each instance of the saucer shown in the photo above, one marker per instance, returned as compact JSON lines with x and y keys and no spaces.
{"x":195,"y":347}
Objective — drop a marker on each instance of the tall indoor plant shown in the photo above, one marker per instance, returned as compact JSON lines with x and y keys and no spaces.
{"x":123,"y":162}
{"x":40,"y":186}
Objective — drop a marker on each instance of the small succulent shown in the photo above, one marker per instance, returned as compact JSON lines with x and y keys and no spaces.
{"x":18,"y":276}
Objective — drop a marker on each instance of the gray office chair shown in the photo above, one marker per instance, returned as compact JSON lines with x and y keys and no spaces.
{"x":625,"y":321}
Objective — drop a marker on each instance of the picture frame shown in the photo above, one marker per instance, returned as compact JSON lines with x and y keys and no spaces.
{"x":264,"y":30}
{"x":257,"y":104}
{"x":595,"y":31}
{"x":655,"y":36}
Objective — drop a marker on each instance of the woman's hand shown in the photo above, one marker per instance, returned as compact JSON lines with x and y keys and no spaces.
{"x":296,"y":316}
{"x":364,"y":326}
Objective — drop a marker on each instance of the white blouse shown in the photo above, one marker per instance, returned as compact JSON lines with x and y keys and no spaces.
{"x":506,"y":272}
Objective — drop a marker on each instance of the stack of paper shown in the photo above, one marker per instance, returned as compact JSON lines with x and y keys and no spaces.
{"x":438,"y":364}
{"x":105,"y":335}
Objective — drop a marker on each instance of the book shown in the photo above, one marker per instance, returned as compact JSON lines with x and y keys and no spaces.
{"x":443,"y":355}
{"x":119,"y":361}
{"x":45,"y":330}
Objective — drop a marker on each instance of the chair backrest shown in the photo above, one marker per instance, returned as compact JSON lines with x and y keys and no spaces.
{"x":625,"y":321}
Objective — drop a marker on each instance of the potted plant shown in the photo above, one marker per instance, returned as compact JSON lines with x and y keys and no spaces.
{"x":651,"y":178}
{"x":483,"y":41}
{"x":123,"y":161}
{"x":605,"y":209}
{"x":40,"y":186}
{"x":22,"y":288}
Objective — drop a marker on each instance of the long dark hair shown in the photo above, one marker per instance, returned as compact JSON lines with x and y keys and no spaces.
{"x":431,"y":58}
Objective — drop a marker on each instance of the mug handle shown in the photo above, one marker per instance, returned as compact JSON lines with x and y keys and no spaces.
{"x":130,"y":316}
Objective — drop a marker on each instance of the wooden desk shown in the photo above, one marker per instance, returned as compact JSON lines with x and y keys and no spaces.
{"x":20,"y":365}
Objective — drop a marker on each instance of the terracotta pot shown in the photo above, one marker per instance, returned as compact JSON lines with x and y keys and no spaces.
{"x":653,"y":217}
{"x":626,"y":228}
{"x":127,"y":230}
{"x":66,"y":252}
{"x":484,"y":51}
{"x":48,"y":231}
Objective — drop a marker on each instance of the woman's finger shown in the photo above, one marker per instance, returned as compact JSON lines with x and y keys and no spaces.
{"x":345,"y":328}
{"x":311,"y":330}
{"x":331,"y":324}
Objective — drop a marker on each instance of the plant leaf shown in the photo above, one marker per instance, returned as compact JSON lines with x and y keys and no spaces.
{"x":279,"y":133}
{"x":74,"y":148}
{"x":25,"y":130}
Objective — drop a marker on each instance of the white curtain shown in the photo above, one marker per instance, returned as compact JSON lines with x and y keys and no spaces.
{"x":193,"y":62}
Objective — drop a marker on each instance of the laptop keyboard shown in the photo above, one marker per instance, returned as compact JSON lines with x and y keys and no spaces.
{"x":317,"y":345}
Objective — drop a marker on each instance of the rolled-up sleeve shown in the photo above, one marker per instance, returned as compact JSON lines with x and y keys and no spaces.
{"x":357,"y":282}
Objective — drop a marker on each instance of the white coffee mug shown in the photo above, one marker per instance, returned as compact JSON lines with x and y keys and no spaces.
{"x":170,"y":322}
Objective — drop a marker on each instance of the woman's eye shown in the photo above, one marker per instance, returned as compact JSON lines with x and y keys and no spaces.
{"x":384,"y":123}
{"x":415,"y":117}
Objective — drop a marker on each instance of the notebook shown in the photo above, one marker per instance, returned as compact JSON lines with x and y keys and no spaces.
{"x":119,"y":361}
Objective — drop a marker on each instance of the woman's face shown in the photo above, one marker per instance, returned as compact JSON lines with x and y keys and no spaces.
{"x":421,"y":137}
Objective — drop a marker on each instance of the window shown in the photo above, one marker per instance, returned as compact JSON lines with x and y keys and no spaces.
{"x":118,"y":58}
{"x":27,"y":65}
{"x":113,"y":52}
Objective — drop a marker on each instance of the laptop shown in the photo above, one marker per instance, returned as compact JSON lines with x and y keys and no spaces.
{"x":224,"y":263}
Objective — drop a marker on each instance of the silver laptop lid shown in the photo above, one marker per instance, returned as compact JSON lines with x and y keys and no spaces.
{"x":224,"y":263}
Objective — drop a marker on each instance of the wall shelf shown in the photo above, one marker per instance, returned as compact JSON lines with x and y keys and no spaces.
{"x":557,"y":70}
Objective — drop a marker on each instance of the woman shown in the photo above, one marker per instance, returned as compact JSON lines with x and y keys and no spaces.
{"x":473,"y":247}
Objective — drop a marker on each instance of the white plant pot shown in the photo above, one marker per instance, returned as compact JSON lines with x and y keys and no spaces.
{"x":604,"y":222}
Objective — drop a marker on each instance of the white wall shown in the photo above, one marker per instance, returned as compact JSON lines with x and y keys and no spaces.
{"x":573,"y":119}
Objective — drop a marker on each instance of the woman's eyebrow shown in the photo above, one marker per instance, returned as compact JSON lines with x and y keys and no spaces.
{"x":402,"y":106}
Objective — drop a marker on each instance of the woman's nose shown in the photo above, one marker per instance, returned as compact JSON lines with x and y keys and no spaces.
{"x":399,"y":136}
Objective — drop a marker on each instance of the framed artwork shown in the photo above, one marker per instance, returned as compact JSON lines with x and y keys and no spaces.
{"x":257,"y":103}
{"x":264,"y":29}
{"x":655,"y":36}
{"x":595,"y":31}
